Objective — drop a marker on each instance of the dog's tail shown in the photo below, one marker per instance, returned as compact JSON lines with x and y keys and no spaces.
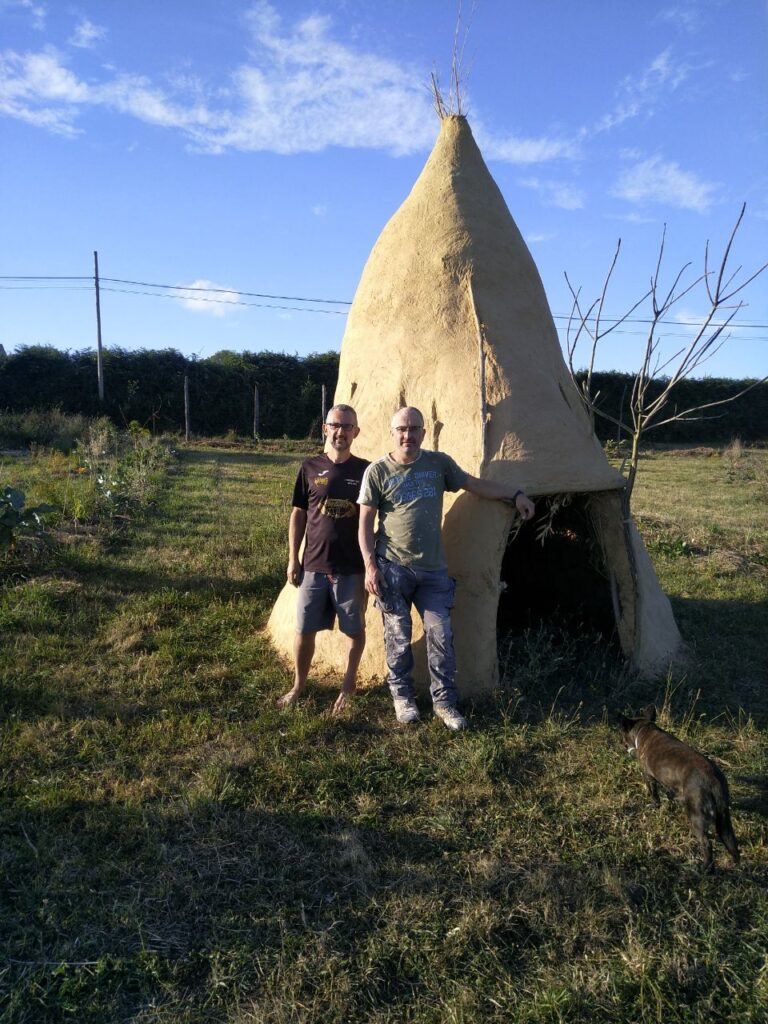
{"x":723,"y":824}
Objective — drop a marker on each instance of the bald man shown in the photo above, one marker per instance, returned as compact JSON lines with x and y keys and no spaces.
{"x":405,"y":562}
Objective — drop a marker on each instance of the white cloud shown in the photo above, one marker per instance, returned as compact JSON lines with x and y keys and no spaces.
{"x":658,"y":181}
{"x":300,"y":90}
{"x":633,"y":218}
{"x":688,"y":318}
{"x":44,"y":77}
{"x":87,"y":35}
{"x":37,"y":11}
{"x":514,"y":150}
{"x":686,"y":16}
{"x":37,"y":88}
{"x":556,"y":193}
{"x":136,"y":96}
{"x":640,"y":95}
{"x":539,"y":236}
{"x":209,"y":298}
{"x":320,"y":210}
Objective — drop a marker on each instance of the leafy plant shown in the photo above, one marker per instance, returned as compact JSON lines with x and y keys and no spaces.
{"x":16,"y":518}
{"x":122,"y":466}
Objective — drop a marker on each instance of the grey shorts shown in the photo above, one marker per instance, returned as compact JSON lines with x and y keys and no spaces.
{"x":323,"y":598}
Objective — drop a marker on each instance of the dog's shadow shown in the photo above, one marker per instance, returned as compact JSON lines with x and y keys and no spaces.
{"x":755,"y":801}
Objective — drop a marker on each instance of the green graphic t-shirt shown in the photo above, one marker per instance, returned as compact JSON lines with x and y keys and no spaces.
{"x":409,"y":500}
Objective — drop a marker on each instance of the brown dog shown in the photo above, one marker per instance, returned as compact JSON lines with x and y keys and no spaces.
{"x":685,"y":775}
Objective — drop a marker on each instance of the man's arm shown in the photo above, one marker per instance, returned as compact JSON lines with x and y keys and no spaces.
{"x":367,"y":548}
{"x":296,"y":529}
{"x":494,"y":491}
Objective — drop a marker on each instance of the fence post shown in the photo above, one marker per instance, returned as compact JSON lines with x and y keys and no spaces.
{"x":186,"y":407}
{"x":99,"y":356}
{"x":621,"y":409}
{"x":255,"y":411}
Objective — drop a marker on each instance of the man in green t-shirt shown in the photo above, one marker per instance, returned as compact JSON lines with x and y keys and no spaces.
{"x":405,"y":562}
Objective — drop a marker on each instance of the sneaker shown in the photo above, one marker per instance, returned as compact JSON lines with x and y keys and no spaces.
{"x":406,"y":711}
{"x":451,"y":717}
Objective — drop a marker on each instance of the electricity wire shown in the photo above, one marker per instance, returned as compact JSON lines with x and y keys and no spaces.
{"x":29,"y":282}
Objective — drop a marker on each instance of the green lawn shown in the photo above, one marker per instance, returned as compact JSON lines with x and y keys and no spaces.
{"x":175,"y":850}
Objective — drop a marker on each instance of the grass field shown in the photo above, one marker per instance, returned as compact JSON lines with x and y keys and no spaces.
{"x":177,"y":851}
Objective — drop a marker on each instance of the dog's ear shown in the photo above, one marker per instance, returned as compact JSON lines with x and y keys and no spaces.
{"x":649,"y":713}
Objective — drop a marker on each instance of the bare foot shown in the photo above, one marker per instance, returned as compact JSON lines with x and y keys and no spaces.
{"x":288,"y":700}
{"x":343,"y":701}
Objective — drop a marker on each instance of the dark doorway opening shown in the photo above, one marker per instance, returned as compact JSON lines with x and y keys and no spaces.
{"x":561,"y":583}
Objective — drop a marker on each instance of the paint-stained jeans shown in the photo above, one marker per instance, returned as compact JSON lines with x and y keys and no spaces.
{"x":432,"y":593}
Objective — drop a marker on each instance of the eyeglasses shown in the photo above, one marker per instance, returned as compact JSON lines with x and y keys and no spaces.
{"x":413,"y":427}
{"x":341,"y":426}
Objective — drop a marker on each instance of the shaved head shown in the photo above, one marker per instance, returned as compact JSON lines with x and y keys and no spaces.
{"x":409,"y":415}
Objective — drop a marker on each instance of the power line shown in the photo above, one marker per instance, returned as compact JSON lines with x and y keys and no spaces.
{"x":225,"y":302}
{"x":46,"y":287}
{"x":736,"y":325}
{"x":228,"y":291}
{"x":750,"y":324}
{"x":186,"y":288}
{"x":666,"y":334}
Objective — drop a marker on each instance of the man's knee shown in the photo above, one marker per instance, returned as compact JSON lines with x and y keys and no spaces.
{"x":439,"y":627}
{"x":355,"y":638}
{"x":438,"y":623}
{"x":397,"y":642}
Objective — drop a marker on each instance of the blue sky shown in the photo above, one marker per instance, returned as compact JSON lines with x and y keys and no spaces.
{"x":261,"y":147}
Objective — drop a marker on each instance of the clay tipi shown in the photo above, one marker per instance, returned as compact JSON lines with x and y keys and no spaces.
{"x":450,"y":316}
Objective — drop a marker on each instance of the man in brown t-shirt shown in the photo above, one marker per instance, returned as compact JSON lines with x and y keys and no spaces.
{"x":331,"y":580}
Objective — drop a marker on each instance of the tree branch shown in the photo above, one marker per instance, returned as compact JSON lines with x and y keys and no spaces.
{"x":708,"y":339}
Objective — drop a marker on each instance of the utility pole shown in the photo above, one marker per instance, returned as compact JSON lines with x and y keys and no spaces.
{"x":99,"y":358}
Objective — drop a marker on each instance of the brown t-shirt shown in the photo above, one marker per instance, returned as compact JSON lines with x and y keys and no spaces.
{"x":328,"y":492}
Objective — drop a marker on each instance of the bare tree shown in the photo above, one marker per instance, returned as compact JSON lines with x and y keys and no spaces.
{"x":649,"y":406}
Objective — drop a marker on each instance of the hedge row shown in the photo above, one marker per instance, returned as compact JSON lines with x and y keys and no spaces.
{"x":148,"y":386}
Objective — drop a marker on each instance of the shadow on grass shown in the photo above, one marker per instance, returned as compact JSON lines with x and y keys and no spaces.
{"x":206,"y":905}
{"x":239,"y":458}
{"x":140,"y":902}
{"x":755,"y":795}
{"x":553,"y":669}
{"x":118,"y":582}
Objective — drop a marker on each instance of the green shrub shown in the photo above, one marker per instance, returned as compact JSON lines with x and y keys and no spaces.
{"x":123,"y":466}
{"x":16,"y":518}
{"x":49,"y":427}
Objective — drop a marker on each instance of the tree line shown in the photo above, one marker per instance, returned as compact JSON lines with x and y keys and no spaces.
{"x":148,"y":386}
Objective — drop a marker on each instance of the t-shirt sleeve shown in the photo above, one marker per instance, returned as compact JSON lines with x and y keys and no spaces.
{"x":455,"y":476}
{"x":370,"y":492}
{"x":300,"y":497}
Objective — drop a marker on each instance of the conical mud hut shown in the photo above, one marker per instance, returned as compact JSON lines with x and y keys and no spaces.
{"x":450,"y":316}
